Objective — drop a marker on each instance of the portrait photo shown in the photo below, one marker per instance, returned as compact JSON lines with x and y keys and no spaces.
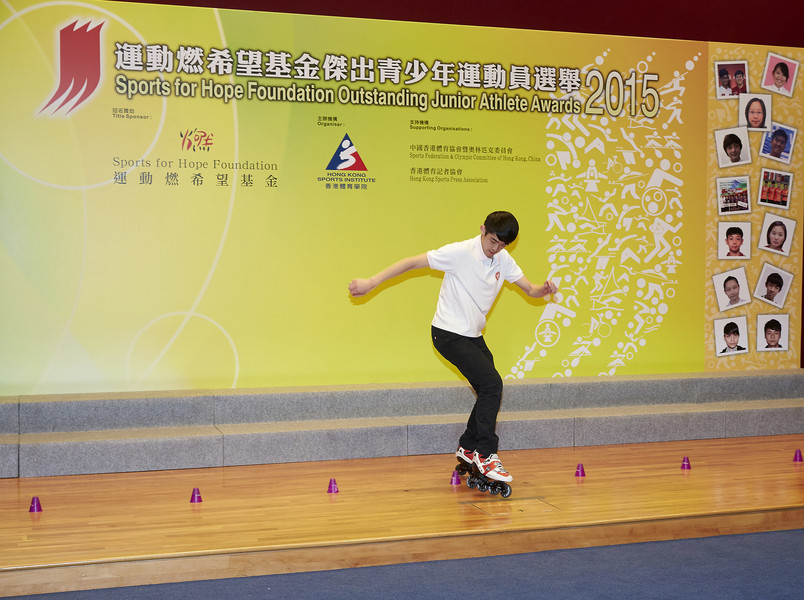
{"x":775,"y":188}
{"x":777,"y":234}
{"x":773,"y":285}
{"x":778,"y":143}
{"x":731,"y":289}
{"x":773,"y":333}
{"x":755,"y":112}
{"x":732,"y":147}
{"x":731,"y":78}
{"x":731,"y":336}
{"x":734,"y":240}
{"x":780,"y":74}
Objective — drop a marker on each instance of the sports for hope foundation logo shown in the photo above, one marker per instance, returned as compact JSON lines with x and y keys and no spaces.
{"x":79,"y":57}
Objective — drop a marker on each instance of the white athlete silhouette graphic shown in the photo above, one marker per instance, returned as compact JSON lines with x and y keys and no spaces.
{"x":347,"y":155}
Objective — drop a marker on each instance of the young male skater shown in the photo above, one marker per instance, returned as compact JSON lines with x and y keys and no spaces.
{"x":474,"y":272}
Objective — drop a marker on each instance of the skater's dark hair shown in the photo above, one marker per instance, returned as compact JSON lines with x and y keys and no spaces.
{"x":503,"y":224}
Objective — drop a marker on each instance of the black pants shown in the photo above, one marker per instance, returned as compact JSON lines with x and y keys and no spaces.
{"x":473,"y":359}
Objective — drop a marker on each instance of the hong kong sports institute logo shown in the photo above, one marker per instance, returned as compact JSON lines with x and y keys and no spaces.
{"x":346,"y":157}
{"x":79,"y":57}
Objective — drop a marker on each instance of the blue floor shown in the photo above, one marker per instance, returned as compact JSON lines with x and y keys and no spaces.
{"x":758,"y":566}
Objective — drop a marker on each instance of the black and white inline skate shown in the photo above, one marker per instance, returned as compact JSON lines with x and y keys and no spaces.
{"x":477,"y":480}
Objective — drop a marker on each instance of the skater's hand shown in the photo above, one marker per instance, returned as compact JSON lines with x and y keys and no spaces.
{"x":534,"y":290}
{"x":549,"y":288}
{"x":360,"y":287}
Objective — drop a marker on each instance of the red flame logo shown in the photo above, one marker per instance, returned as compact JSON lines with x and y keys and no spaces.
{"x":79,"y":65}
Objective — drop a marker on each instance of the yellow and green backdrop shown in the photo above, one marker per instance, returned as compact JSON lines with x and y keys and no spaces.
{"x":186,"y":192}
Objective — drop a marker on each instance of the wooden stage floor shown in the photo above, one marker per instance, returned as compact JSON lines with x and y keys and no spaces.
{"x":101,"y":531}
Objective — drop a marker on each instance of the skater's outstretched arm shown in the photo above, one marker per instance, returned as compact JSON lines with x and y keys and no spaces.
{"x":536,"y":291}
{"x":361,"y":287}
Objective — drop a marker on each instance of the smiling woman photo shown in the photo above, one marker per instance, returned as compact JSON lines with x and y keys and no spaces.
{"x":780,"y":74}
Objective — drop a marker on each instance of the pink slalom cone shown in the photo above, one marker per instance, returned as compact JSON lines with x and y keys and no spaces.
{"x":196,"y":497}
{"x":36,"y":506}
{"x":797,"y":456}
{"x":456,"y":479}
{"x":685,"y":464}
{"x":333,"y":487}
{"x":579,"y":472}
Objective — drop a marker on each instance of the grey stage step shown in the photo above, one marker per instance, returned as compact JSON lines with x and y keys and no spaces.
{"x":98,"y":433}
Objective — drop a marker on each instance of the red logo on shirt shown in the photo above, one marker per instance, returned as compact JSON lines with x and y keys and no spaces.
{"x":497,"y":276}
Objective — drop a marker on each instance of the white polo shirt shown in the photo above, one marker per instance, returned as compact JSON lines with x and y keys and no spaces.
{"x":471,"y":284}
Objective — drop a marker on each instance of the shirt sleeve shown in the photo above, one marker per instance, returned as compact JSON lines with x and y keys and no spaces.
{"x":443,"y":259}
{"x":511,"y":270}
